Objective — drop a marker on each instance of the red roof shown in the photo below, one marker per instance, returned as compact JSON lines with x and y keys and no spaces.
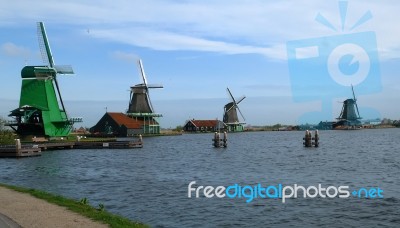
{"x":122,"y":119}
{"x":205,"y":123}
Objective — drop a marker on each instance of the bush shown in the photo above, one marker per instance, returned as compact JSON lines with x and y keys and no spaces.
{"x":6,"y":137}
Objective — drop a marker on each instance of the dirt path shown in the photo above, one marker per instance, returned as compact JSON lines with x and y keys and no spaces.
{"x":29,"y":211}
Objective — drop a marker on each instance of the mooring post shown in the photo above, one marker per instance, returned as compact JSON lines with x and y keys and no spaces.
{"x":316,"y":138}
{"x":18,"y":146}
{"x":307,"y":139}
{"x":225,"y":140}
{"x":216,"y":139}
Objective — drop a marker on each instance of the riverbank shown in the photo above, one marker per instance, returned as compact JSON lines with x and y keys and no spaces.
{"x":34,"y":208}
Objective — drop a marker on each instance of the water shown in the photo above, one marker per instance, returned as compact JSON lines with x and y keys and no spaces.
{"x":150,"y":184}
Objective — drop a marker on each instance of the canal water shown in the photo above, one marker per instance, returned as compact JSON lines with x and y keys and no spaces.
{"x":151,"y":184}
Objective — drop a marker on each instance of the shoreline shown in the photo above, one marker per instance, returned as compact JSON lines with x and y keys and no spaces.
{"x":35,"y":208}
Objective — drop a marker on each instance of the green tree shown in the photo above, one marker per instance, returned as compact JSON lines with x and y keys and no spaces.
{"x":6,"y":135}
{"x":178,"y":128}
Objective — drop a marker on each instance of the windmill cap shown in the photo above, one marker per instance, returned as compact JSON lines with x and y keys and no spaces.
{"x":29,"y":71}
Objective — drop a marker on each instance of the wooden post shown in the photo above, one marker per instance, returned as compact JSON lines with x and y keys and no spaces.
{"x":225,"y":140}
{"x":316,"y":138}
{"x":216,"y":139}
{"x":18,"y":146}
{"x":307,"y":139}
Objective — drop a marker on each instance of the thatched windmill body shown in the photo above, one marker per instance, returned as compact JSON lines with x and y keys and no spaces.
{"x":350,"y":115}
{"x":230,"y":117}
{"x":140,"y":106}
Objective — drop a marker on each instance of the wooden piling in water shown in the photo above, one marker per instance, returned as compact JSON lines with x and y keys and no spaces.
{"x":308,"y":139}
{"x":218,"y":142}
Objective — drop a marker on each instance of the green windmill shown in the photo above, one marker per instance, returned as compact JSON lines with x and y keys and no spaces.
{"x":41,"y":109}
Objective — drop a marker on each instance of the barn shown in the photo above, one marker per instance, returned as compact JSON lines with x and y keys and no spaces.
{"x":117,"y":124}
{"x":203,"y":125}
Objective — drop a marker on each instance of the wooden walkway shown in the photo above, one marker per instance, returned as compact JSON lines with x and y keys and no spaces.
{"x":12,"y":152}
{"x":31,"y":149}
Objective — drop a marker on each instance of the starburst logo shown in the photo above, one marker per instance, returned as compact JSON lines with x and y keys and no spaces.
{"x":323,"y":68}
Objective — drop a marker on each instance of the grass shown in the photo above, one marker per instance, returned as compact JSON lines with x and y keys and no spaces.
{"x":81,"y":208}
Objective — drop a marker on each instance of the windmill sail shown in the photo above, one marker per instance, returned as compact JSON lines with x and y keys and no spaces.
{"x":48,"y":59}
{"x":44,"y":45}
{"x":355,"y":101}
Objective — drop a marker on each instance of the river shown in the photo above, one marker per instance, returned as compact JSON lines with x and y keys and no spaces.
{"x":151,"y":184}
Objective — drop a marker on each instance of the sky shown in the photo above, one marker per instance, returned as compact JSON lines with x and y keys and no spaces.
{"x":196,"y":49}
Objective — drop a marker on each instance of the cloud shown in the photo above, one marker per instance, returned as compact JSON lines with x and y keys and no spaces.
{"x":124,"y":56}
{"x":226,"y":27}
{"x":167,"y":41}
{"x":12,"y":50}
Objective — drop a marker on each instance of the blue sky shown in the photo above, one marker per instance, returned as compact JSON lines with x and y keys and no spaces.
{"x":195,"y":49}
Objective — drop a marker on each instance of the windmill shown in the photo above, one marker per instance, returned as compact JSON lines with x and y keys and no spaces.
{"x":350,"y":115}
{"x":230,"y":114}
{"x":41,"y":109}
{"x":140,"y":106}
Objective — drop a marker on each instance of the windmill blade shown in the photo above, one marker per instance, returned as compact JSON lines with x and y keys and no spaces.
{"x":355,"y":101}
{"x":358,"y":112}
{"x":233,"y":106}
{"x":141,"y":69}
{"x":354,"y":96}
{"x":240,"y":100}
{"x":64,"y":69}
{"x":233,"y":99}
{"x":44,"y":45}
{"x":241,"y":113}
{"x":148,"y":98}
{"x":155,"y":86}
{"x":59,"y":96}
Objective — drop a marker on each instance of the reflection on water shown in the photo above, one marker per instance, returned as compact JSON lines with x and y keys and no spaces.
{"x":150,"y":184}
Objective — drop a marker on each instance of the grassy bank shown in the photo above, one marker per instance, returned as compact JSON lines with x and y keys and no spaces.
{"x":81,"y":208}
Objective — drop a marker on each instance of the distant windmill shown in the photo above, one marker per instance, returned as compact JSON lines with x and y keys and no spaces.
{"x":140,"y":105}
{"x":39,"y":112}
{"x":350,"y":115}
{"x":140,"y":98}
{"x":230,"y":114}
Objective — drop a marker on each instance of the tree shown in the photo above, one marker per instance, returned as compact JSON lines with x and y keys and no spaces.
{"x":2,"y":122}
{"x":178,"y":128}
{"x":6,"y":136}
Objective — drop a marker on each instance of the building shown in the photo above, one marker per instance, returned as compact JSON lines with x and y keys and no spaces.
{"x":140,"y":107}
{"x":118,"y":124}
{"x":204,"y":125}
{"x":327,"y":125}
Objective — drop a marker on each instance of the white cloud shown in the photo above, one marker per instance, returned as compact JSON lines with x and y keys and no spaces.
{"x":167,"y":41}
{"x":14,"y":50}
{"x":125,"y":56}
{"x":227,"y":27}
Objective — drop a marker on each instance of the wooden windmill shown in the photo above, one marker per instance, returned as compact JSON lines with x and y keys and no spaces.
{"x":231,"y":118}
{"x":41,"y":110}
{"x":140,"y":106}
{"x":350,"y":115}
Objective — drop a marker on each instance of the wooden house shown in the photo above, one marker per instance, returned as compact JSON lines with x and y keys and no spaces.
{"x":203,"y":125}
